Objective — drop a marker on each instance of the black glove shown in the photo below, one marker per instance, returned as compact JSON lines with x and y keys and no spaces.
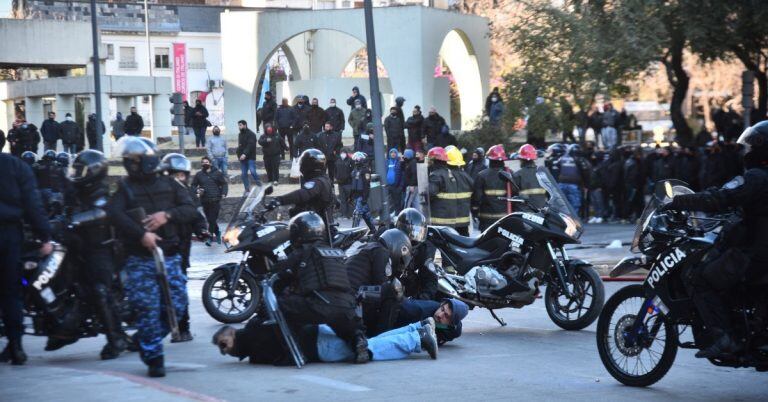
{"x":272,"y":204}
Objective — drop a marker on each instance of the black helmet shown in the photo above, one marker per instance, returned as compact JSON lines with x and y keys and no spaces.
{"x":176,"y":162}
{"x":574,"y":149}
{"x":306,"y":227}
{"x":312,"y":163}
{"x":89,"y":167}
{"x":399,"y":246}
{"x":413,"y":223}
{"x":755,"y":141}
{"x":62,"y":159}
{"x":139,"y":155}
{"x":49,"y":156}
{"x":29,"y":157}
{"x":556,"y":149}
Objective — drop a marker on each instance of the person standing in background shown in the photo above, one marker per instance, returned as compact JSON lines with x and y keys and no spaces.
{"x":118,"y":126}
{"x":335,"y":116}
{"x":211,"y":187}
{"x":134,"y":124}
{"x":272,"y":148}
{"x":199,"y":123}
{"x":51,"y":131}
{"x":284,"y":118}
{"x":246,"y":153}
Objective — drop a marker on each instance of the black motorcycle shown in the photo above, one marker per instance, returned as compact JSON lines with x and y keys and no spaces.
{"x":54,"y":299}
{"x":505,"y":265}
{"x":639,"y":330}
{"x":232,"y":294}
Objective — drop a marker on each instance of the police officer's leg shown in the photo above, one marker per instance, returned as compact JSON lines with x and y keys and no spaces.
{"x":144,"y":295}
{"x":184,"y":317}
{"x":11,"y":301}
{"x":177,"y":282}
{"x":348,"y":326}
{"x":100,"y":270}
{"x":332,"y":171}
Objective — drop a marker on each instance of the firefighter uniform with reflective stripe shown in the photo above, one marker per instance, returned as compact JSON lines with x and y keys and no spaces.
{"x":529,"y":186}
{"x":449,"y":197}
{"x":487,"y":198}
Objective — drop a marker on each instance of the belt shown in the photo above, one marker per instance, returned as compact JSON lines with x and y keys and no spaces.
{"x":449,"y":221}
{"x":454,"y":196}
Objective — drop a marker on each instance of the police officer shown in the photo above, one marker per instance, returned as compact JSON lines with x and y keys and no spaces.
{"x":361,"y":188}
{"x":52,"y":182}
{"x":461,"y":193}
{"x":62,"y":160}
{"x":316,"y":192}
{"x":166,"y":206}
{"x":30,"y":158}
{"x":525,"y":178}
{"x":554,"y":152}
{"x":750,"y":194}
{"x":179,"y":168}
{"x":323,"y":291}
{"x":379,"y":263}
{"x":489,"y":191}
{"x":91,"y":191}
{"x":419,"y":282}
{"x":574,"y":172}
{"x":19,"y":200}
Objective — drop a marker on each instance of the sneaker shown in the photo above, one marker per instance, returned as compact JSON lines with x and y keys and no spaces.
{"x":156,"y":367}
{"x":218,"y":238}
{"x":362,"y":355}
{"x":428,"y":321}
{"x":591,"y":220}
{"x":598,"y":220}
{"x":428,"y":340}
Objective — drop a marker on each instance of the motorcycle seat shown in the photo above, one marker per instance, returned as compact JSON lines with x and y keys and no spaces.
{"x":454,"y":237}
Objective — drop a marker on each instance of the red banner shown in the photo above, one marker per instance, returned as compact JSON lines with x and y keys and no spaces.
{"x":180,"y":69}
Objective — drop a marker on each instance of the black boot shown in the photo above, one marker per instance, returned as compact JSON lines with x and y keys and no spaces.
{"x":115,"y":345}
{"x":361,"y":349}
{"x":56,"y":342}
{"x":14,"y":353}
{"x":724,"y":346}
{"x":156,"y":367}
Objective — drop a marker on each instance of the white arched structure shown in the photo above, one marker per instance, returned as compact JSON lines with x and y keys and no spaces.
{"x":409,"y":41}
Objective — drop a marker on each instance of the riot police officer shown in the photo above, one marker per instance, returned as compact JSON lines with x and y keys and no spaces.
{"x":52,"y":182}
{"x":179,"y":168}
{"x":62,"y":160}
{"x":488,"y":203}
{"x":749,"y":193}
{"x":30,"y":158}
{"x":91,"y":191}
{"x":163,"y":205}
{"x":418,"y":281}
{"x":525,"y":178}
{"x":316,"y":192}
{"x":379,"y":263}
{"x":323,"y":293}
{"x":554,"y":152}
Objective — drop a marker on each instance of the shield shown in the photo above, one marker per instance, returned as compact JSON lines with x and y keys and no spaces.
{"x":422,"y":178}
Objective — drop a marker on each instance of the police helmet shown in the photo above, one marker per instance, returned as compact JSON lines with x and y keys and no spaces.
{"x":29,"y":157}
{"x":89,"y":167}
{"x":306,"y":227}
{"x":62,"y":159}
{"x":755,"y":141}
{"x":413,"y":223}
{"x":312,"y":163}
{"x":399,"y":246}
{"x":556,"y":150}
{"x":140,"y":157}
{"x":359,"y":157}
{"x":49,"y":156}
{"x":574,"y":150}
{"x":175,"y":163}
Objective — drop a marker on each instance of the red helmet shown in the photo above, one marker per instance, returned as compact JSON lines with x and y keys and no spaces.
{"x":496,"y":153}
{"x":527,"y":152}
{"x":438,"y":153}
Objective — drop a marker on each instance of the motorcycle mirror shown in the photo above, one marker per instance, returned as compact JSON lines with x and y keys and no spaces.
{"x":507,"y":176}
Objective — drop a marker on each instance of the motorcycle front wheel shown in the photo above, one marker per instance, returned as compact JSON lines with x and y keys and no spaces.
{"x":234,"y":308}
{"x":651,"y":356}
{"x":583,"y":306}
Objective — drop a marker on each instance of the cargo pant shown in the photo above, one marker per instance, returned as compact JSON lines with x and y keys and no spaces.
{"x":146,"y":300}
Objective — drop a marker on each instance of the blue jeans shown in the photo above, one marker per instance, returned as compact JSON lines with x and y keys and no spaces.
{"x":246,"y":166}
{"x":145,"y":298}
{"x":70,"y":148}
{"x":596,"y":199}
{"x":610,"y":138}
{"x":220,"y":162}
{"x":572,"y":193}
{"x":396,"y":344}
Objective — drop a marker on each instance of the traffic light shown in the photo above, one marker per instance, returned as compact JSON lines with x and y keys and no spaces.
{"x":178,"y":109}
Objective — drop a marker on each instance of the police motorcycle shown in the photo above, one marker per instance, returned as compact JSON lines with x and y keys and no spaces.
{"x":639,"y":330}
{"x":507,"y":263}
{"x":232,"y":293}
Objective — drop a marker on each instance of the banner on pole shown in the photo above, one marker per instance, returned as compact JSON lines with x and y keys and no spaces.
{"x":264,"y":87}
{"x":180,"y":69}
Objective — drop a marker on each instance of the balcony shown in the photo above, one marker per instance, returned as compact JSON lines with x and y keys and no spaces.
{"x":128,"y":65}
{"x":196,"y":66}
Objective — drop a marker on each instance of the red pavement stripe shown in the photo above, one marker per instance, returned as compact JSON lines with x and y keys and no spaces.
{"x":623,"y":279}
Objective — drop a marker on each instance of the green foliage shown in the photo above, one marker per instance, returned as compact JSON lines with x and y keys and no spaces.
{"x":486,"y":136}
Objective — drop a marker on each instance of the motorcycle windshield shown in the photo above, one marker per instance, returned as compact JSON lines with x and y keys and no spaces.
{"x":558,"y":203}
{"x":247,"y":206}
{"x":663,"y":193}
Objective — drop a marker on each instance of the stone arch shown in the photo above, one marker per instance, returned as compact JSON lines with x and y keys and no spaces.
{"x":459,"y":55}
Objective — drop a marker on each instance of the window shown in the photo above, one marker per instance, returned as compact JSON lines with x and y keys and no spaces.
{"x":128,"y":57}
{"x":110,"y":51}
{"x":162,"y":58}
{"x":196,"y":58}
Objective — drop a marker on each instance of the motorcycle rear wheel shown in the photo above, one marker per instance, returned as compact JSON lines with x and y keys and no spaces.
{"x":619,"y":313}
{"x":586,"y":287}
{"x":240,"y":307}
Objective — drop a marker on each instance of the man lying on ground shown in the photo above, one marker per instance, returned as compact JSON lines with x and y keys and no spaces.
{"x":447,"y":314}
{"x":263,"y":344}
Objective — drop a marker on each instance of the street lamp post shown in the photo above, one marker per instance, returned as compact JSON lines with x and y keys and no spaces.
{"x":378,"y":139}
{"x":96,"y":76}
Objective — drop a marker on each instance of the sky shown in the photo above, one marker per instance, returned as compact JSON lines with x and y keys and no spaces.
{"x":5,"y":8}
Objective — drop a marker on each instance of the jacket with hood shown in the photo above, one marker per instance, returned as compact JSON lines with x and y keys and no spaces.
{"x":394,"y":170}
{"x":70,"y":132}
{"x":354,"y":119}
{"x":433,"y":124}
{"x":285,"y":116}
{"x":415,"y":126}
{"x":351,"y":100}
{"x":395,"y":128}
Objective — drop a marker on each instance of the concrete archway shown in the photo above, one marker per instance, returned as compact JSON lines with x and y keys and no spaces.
{"x":459,"y":55}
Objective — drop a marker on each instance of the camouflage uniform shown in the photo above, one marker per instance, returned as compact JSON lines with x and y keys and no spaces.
{"x":146,"y":299}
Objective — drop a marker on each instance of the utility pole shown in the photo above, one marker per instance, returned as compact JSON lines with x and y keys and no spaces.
{"x":96,"y":76}
{"x":378,"y":139}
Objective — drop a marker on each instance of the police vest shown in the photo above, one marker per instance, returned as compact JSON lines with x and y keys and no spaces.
{"x":323,"y":270}
{"x":569,"y":170}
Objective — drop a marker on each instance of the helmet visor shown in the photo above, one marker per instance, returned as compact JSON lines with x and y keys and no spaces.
{"x":746,"y":138}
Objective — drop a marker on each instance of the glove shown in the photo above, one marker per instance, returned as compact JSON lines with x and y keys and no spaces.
{"x":272,"y":204}
{"x":203,"y":235}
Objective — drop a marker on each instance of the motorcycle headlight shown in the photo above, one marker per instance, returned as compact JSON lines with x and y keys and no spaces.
{"x":571,"y":228}
{"x":231,"y":236}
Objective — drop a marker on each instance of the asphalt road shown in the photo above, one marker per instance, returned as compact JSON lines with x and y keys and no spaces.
{"x":529,"y":359}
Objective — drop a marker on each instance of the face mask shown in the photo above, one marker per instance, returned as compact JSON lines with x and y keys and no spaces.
{"x":494,"y":99}
{"x":69,"y":118}
{"x":333,"y":104}
{"x":217,"y":133}
{"x":358,"y":106}
{"x":393,"y":114}
{"x":206,"y":166}
{"x":343,"y":155}
{"x":314,"y":105}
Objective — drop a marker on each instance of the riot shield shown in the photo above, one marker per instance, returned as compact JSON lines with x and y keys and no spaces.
{"x":422,"y":178}
{"x":276,"y":317}
{"x":165,"y":290}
